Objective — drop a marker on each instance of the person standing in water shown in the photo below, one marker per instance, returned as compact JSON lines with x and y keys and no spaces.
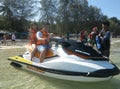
{"x":13,"y":39}
{"x":105,"y":36}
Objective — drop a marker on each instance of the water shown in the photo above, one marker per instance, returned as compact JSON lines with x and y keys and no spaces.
{"x":12,"y":78}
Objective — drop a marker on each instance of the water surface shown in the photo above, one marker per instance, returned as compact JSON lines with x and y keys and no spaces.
{"x":12,"y":78}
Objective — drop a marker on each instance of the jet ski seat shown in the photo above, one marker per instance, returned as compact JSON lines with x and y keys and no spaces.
{"x":37,"y":54}
{"x":81,"y":50}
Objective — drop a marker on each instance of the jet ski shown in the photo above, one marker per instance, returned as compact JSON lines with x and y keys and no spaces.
{"x":68,"y":60}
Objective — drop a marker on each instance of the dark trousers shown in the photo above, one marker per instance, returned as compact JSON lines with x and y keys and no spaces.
{"x":106,"y":53}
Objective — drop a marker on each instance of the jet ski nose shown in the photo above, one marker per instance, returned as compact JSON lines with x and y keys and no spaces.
{"x":105,"y":72}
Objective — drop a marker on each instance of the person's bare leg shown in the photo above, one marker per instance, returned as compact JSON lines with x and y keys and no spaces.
{"x":42,"y":55}
{"x":33,"y":52}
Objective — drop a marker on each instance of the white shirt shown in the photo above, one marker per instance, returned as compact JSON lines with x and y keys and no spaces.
{"x":13,"y":37}
{"x":39,"y":35}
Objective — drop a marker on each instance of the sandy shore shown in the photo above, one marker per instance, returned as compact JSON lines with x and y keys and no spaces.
{"x":115,"y":41}
{"x":21,"y":44}
{"x":11,"y":47}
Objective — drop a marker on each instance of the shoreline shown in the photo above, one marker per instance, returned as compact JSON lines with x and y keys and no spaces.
{"x":21,"y":44}
{"x":11,"y":47}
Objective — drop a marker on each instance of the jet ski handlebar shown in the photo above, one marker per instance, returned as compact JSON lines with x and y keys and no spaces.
{"x":60,"y":41}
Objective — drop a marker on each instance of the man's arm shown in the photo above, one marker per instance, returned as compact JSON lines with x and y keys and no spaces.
{"x":107,"y":36}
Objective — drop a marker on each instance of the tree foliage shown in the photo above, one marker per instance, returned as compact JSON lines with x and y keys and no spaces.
{"x":71,"y":15}
{"x":64,"y":16}
{"x":17,"y":12}
{"x":115,"y":26}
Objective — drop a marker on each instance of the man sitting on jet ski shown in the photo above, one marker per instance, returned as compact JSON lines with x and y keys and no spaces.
{"x":43,"y":41}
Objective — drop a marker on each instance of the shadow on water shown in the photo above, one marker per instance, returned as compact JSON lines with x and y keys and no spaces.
{"x":42,"y":82}
{"x":62,"y":84}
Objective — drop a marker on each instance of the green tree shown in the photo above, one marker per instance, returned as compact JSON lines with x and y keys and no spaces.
{"x":76,"y":15}
{"x":4,"y":25}
{"x":17,"y":12}
{"x":115,"y":26}
{"x":48,"y":12}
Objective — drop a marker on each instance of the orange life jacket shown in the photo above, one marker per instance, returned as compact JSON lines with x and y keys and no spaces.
{"x":45,"y":34}
{"x":32,"y":36}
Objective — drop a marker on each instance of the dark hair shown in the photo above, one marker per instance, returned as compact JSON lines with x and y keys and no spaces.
{"x":33,"y":23}
{"x":107,"y":23}
{"x":44,"y":24}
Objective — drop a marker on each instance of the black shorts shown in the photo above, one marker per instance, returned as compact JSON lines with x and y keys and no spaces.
{"x":13,"y":40}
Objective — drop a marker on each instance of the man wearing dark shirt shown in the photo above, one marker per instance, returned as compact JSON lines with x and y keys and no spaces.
{"x":105,"y":36}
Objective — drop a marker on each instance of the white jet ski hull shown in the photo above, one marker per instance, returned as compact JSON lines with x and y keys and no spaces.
{"x":68,"y":62}
{"x":43,"y":70}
